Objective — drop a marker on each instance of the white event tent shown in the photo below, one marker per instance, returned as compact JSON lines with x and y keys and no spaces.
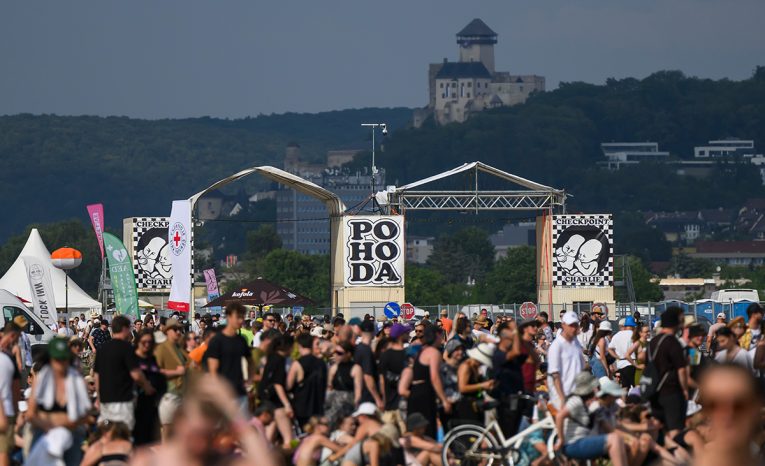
{"x":15,"y":279}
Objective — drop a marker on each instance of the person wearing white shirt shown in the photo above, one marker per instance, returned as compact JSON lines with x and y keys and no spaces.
{"x":565,"y":359}
{"x":63,"y":329}
{"x":618,"y":347}
{"x":729,"y":351}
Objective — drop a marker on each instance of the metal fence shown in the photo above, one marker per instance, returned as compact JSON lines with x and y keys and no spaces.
{"x":649,"y":311}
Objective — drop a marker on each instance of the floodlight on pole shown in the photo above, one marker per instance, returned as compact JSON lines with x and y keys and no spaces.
{"x":374,"y":127}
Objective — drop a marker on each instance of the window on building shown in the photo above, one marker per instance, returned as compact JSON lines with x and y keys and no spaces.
{"x":470,"y":84}
{"x":442,"y":85}
{"x":468,"y":95}
{"x":454,"y":85}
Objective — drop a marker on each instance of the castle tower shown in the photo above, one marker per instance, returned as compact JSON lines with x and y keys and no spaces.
{"x":292,"y":157}
{"x":476,"y":41}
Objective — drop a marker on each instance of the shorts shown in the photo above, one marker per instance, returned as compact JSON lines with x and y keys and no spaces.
{"x":121,"y":411}
{"x":670,"y":410}
{"x":168,"y":406}
{"x":586,"y":448}
{"x":394,"y":417}
{"x":7,"y":440}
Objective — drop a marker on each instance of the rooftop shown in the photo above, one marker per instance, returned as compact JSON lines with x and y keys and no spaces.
{"x":457,"y":70}
{"x":476,"y":28}
{"x":726,"y":247}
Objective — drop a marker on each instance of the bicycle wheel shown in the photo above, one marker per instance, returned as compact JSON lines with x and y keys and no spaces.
{"x":470,"y":446}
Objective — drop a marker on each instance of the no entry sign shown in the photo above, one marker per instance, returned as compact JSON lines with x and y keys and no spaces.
{"x":528,"y":310}
{"x":407,"y":310}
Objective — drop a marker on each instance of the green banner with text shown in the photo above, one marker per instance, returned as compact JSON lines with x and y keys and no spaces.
{"x":123,"y":279}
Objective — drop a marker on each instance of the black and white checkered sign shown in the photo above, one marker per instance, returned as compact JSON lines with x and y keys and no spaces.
{"x":151,"y":254}
{"x":583,"y":250}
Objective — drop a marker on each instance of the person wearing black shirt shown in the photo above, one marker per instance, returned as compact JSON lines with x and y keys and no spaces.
{"x":146,"y":414}
{"x":364,"y":357}
{"x":225,"y":352}
{"x":116,"y":369}
{"x":508,"y":362}
{"x":307,"y":380}
{"x":273,"y":386}
{"x":392,"y":363}
{"x":666,"y":352}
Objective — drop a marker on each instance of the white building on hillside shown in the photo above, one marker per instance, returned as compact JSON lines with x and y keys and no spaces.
{"x":631,"y":153}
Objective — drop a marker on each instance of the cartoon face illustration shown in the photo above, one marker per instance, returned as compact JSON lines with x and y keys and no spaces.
{"x":587,"y":260}
{"x":147,"y":257}
{"x":590,"y":251}
{"x":163,"y":266}
{"x":566,"y":254}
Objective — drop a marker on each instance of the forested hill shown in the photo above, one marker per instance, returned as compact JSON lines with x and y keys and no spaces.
{"x":554,"y":138}
{"x":52,"y":166}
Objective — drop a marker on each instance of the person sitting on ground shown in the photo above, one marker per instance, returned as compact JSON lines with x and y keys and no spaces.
{"x":309,"y":452}
{"x":574,"y":425}
{"x":109,"y":446}
{"x":420,"y":449}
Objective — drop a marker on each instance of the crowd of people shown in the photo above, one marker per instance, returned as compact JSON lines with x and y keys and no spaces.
{"x":267,"y":389}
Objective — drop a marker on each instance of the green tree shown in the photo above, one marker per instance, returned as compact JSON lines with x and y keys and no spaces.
{"x":646,"y":289}
{"x":468,"y":253}
{"x":688,"y":267}
{"x":426,"y":286}
{"x":632,"y":236}
{"x":513,"y":278}
{"x":304,"y":274}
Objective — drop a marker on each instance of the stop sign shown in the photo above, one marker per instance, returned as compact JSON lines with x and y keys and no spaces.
{"x":407,"y":310}
{"x":528,"y":310}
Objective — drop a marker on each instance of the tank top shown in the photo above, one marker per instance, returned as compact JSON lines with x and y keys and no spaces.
{"x":420,"y":372}
{"x":343,"y":380}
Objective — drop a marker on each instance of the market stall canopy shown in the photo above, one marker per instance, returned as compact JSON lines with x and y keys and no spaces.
{"x":261,"y":292}
{"x":15,"y":279}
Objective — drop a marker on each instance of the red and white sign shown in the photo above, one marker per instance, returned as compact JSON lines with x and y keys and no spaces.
{"x":528,"y":310}
{"x":407,"y":310}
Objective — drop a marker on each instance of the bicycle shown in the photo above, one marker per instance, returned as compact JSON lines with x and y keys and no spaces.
{"x":471,"y":444}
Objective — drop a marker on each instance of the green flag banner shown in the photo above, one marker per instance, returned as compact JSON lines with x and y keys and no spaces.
{"x":123,"y":279}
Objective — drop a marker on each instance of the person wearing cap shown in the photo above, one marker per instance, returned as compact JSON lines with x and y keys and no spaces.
{"x":59,"y":399}
{"x":565,"y":359}
{"x":369,"y":424}
{"x":481,"y":331}
{"x":575,"y":425}
{"x":666,"y":353}
{"x":173,"y":363}
{"x":424,"y":449}
{"x":117,"y":371}
{"x":618,"y":347}
{"x":472,"y":385}
{"x":446,"y":322}
{"x":392,"y":363}
{"x":721,"y":318}
{"x":99,"y":336}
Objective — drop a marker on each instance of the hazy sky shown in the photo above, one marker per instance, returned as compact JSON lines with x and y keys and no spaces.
{"x":183,"y":58}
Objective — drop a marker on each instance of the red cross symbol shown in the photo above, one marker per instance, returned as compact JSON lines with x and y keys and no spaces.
{"x":177,"y":239}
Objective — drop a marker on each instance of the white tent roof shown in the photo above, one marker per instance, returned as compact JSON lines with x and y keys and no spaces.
{"x":15,"y":279}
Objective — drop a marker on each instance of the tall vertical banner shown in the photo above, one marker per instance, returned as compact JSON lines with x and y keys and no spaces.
{"x":179,"y":240}
{"x":41,"y":286}
{"x":123,"y":279}
{"x":96,"y":213}
{"x":212,"y":287}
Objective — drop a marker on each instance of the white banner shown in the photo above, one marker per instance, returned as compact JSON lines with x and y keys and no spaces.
{"x":179,"y":240}
{"x":374,"y":250}
{"x":42,"y":290}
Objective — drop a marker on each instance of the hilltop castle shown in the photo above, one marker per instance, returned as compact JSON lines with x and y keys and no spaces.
{"x":470,"y":85}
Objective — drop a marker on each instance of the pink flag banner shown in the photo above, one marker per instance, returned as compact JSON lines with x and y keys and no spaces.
{"x":96,"y":213}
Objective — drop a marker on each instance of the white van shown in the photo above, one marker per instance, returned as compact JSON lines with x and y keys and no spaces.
{"x":725,"y":296}
{"x":39,"y":333}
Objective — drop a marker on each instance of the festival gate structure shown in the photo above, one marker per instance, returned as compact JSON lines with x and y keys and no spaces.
{"x":368,"y":252}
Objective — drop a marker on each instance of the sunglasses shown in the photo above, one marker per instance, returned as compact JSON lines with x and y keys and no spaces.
{"x":738,"y":406}
{"x":270,"y":320}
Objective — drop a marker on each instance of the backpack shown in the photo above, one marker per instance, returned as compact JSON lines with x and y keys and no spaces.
{"x":651,"y":381}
